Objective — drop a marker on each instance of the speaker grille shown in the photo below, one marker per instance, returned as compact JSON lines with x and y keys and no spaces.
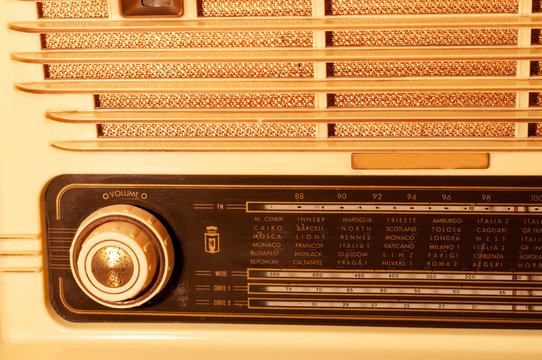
{"x":377,"y":69}
{"x":535,"y":99}
{"x":169,"y":40}
{"x":173,"y":71}
{"x":388,"y":7}
{"x":83,"y":9}
{"x":429,"y":129}
{"x":329,"y":76}
{"x":225,"y":8}
{"x":204,"y":101}
{"x":276,"y":130}
{"x":536,"y":69}
{"x":441,"y":37}
{"x":423,"y":100}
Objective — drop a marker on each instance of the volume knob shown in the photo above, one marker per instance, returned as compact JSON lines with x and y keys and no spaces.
{"x":121,"y":256}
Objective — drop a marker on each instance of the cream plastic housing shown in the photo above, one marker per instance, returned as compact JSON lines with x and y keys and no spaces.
{"x":137,"y":234}
{"x":28,"y":324}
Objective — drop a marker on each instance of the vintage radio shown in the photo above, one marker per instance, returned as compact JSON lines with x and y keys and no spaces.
{"x":235,"y":178}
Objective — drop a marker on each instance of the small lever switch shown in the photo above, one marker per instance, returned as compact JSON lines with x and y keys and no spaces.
{"x":154,"y":8}
{"x":156,"y":3}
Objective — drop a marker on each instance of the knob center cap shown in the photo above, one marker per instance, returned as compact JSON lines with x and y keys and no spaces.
{"x":112,"y":266}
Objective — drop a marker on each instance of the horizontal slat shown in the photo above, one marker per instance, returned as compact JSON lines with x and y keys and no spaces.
{"x":273,"y":86}
{"x":18,"y":237}
{"x":20,"y":253}
{"x":20,"y":245}
{"x":173,"y":116}
{"x":300,"y":145}
{"x":334,"y":23}
{"x":256,"y":55}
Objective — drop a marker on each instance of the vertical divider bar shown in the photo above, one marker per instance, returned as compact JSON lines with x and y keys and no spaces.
{"x":320,"y":67}
{"x":114,"y":10}
{"x":190,"y":9}
{"x":525,"y":7}
{"x":523,"y":68}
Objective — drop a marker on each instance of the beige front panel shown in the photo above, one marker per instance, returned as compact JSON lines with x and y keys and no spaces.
{"x":29,"y":328}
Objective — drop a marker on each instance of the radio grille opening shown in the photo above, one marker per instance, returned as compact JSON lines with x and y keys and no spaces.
{"x":375,"y":69}
{"x":440,"y":37}
{"x":535,"y":129}
{"x":423,"y":100}
{"x":224,"y":8}
{"x":423,"y":129}
{"x":81,"y":9}
{"x":395,"y":7}
{"x":535,"y":68}
{"x":177,"y":70}
{"x":169,"y":40}
{"x":204,"y":101}
{"x":210,"y":130}
{"x":535,"y":99}
{"x":536,"y":39}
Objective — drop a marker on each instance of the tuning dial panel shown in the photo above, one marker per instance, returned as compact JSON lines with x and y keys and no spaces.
{"x":121,"y":256}
{"x":388,"y":251}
